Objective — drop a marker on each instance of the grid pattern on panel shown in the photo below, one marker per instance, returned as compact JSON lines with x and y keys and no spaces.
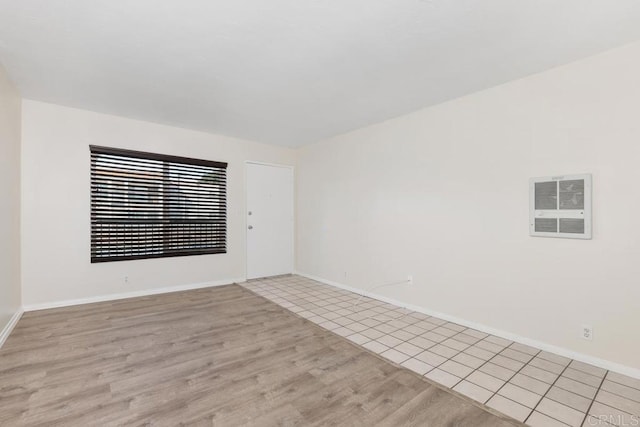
{"x":528,"y":384}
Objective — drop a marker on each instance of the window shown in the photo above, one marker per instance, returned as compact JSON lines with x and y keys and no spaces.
{"x":146,"y":205}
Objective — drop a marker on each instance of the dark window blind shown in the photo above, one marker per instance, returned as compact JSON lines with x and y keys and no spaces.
{"x":146,"y":205}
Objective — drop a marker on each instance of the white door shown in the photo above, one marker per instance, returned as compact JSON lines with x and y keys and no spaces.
{"x":269,"y":220}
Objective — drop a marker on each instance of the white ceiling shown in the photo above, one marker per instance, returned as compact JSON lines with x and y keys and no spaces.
{"x":291,"y":72}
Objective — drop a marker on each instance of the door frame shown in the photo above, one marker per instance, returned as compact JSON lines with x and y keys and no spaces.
{"x":246,"y":219}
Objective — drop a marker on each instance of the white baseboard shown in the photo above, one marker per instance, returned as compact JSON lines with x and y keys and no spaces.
{"x":602,"y":363}
{"x":9,"y":326}
{"x":133,"y":294}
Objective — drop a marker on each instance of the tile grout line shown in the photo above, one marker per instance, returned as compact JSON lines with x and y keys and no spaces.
{"x":368,"y":300}
{"x":417,"y":320}
{"x":436,"y":326}
{"x":407,"y":342}
{"x":550,"y":387}
{"x":404,"y":313}
{"x":452,"y":337}
{"x":451,"y":358}
{"x":440,"y":343}
{"x":505,"y":381}
{"x":524,"y":373}
{"x":616,"y":394}
{"x":512,"y":377}
{"x":475,"y":369}
{"x":460,"y":352}
{"x":595,"y":396}
{"x":437,"y":343}
{"x":547,"y":392}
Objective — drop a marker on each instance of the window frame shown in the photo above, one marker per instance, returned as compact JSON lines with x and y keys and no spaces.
{"x":165,"y":201}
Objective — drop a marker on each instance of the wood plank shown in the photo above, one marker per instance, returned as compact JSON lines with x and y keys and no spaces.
{"x":215,"y":356}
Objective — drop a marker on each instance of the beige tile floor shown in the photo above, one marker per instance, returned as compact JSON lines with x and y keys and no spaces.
{"x":530,"y":385}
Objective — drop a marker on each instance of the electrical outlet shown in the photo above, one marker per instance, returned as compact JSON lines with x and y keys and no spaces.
{"x":587,"y":332}
{"x":410,"y":279}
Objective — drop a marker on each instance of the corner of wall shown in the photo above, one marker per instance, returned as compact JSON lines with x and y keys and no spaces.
{"x":10,"y":215}
{"x":6,"y":331}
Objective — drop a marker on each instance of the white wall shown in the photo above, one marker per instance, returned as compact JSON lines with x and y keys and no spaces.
{"x":56,"y":194}
{"x":9,"y":200}
{"x":442,"y":194}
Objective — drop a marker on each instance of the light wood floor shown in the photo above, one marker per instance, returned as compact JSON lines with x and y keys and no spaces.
{"x":217,"y":356}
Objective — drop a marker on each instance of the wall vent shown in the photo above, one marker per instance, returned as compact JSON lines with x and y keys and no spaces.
{"x":560,"y":206}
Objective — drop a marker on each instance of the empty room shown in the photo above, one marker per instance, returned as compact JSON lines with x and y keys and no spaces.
{"x":320,"y":212}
